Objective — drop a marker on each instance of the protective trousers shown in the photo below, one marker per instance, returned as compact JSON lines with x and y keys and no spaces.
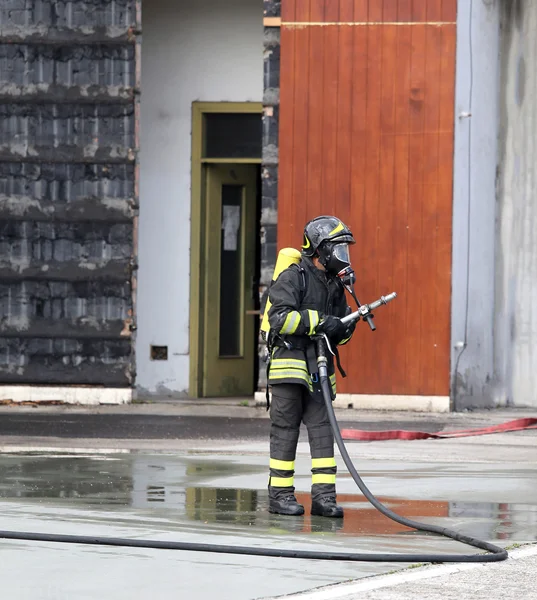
{"x":291,"y":404}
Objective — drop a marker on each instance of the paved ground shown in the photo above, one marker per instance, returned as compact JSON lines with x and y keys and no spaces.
{"x":160,"y":426}
{"x":198,"y":470}
{"x":222,"y":419}
{"x":510,"y":580}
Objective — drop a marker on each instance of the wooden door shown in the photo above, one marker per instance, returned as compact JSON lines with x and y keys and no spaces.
{"x":366,"y":134}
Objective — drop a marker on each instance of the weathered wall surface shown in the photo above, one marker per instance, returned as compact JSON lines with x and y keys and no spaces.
{"x":67,"y":190}
{"x":271,"y":113}
{"x":474,"y":207}
{"x":269,"y":171}
{"x":515,"y":355}
{"x":209,"y":51}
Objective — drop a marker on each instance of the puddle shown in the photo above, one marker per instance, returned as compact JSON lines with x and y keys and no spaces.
{"x":224,"y":500}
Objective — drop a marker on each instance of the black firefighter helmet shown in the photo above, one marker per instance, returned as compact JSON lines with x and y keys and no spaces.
{"x":328,"y":238}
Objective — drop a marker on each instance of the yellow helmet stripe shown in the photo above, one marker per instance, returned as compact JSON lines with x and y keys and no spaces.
{"x":337,"y":229}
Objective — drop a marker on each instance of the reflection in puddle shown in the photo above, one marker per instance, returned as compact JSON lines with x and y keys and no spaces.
{"x":249,"y":507}
{"x":182,"y":487}
{"x":212,"y":505}
{"x":102,"y":480}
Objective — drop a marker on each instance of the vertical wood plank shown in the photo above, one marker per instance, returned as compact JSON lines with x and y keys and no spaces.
{"x":344,"y":113}
{"x":346,"y":12}
{"x":344,"y":122}
{"x":361,"y":8}
{"x":419,"y":10}
{"x":301,"y":130}
{"x":389,"y":11}
{"x":387,"y":196}
{"x":330,"y":132}
{"x":313,"y":200}
{"x":289,"y":11}
{"x":302,"y":9}
{"x":429,"y":327}
{"x":355,"y":353}
{"x":286,"y":136}
{"x":449,"y":11}
{"x":415,"y":206}
{"x":400,"y":331}
{"x":331,"y":11}
{"x":375,"y":11}
{"x":445,"y":195}
{"x":404,"y":11}
{"x":434,"y":11}
{"x":368,"y":287}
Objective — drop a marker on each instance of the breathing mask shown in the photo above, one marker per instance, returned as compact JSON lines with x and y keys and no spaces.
{"x":335,"y":258}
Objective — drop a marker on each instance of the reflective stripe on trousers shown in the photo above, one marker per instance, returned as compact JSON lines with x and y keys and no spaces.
{"x":291,"y":405}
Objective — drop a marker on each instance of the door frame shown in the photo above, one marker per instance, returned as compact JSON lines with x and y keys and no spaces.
{"x":197,"y":232}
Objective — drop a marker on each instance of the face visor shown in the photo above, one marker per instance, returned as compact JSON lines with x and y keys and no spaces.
{"x":341,"y":255}
{"x":335,"y":257}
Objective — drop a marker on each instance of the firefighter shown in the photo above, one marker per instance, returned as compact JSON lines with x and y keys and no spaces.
{"x":307,"y":298}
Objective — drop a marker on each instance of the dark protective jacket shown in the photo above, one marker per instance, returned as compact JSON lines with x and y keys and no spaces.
{"x":300,"y":297}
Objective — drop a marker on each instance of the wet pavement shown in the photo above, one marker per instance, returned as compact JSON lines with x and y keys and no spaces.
{"x":161,"y":427}
{"x":220,"y":497}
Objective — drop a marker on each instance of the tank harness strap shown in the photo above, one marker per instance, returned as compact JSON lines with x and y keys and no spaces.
{"x":272,"y":335}
{"x":270,"y":339}
{"x":311,"y":360}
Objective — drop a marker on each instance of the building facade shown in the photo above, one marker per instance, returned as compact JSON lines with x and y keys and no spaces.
{"x":156,"y":156}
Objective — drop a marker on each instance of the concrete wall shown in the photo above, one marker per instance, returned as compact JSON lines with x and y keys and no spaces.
{"x":516,"y":251}
{"x":209,"y":51}
{"x":474,"y":207}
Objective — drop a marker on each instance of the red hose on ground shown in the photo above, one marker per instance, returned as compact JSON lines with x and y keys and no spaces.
{"x":400,"y":434}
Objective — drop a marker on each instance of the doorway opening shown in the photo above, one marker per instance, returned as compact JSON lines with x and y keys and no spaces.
{"x":225,"y":250}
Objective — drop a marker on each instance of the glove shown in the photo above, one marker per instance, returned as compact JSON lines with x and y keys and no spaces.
{"x":350,"y":330}
{"x":351,"y":326}
{"x":333,"y":328}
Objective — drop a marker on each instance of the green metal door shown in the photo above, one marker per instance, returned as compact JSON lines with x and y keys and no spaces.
{"x":228,"y":345}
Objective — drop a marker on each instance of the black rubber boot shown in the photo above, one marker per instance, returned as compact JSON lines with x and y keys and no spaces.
{"x":326,"y":507}
{"x":286,"y":505}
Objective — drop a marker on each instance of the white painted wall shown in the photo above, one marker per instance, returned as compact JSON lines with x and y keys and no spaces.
{"x":474,"y":206}
{"x":209,"y":51}
{"x":516,"y":252}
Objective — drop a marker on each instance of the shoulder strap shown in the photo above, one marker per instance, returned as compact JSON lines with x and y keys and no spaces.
{"x":303,"y":280}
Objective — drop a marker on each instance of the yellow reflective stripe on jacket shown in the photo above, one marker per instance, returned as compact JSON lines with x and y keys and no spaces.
{"x":294,"y":363}
{"x":323,"y":478}
{"x":281,"y":374}
{"x":291,"y":323}
{"x":323,"y":463}
{"x":282,"y":465}
{"x":314,"y":321}
{"x":290,"y":374}
{"x":281,"y":481}
{"x":283,"y":368}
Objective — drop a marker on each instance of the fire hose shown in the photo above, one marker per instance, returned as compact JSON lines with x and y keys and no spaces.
{"x":495,"y":553}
